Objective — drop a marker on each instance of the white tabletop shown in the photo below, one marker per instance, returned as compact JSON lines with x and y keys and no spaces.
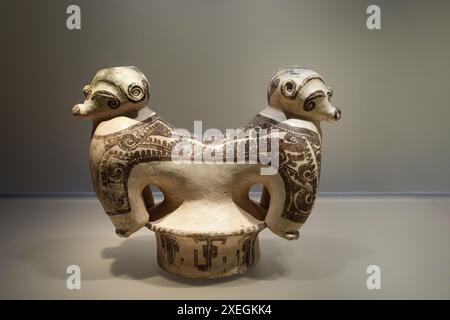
{"x":407,"y":237}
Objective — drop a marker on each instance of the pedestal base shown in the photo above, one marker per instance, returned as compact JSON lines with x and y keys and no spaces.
{"x":207,"y":256}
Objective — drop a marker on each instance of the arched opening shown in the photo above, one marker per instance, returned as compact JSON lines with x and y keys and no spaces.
{"x":160,"y":200}
{"x":152,"y":196}
{"x":249,"y":198}
{"x":258,"y":194}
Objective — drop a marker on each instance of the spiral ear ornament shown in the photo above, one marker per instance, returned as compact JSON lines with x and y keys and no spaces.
{"x":136,"y":92}
{"x":289,"y":89}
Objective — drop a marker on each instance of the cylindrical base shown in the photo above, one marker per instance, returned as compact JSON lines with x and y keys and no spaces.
{"x":205,"y":256}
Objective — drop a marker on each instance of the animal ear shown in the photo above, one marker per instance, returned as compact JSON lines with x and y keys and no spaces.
{"x":289,"y":89}
{"x":136,"y":92}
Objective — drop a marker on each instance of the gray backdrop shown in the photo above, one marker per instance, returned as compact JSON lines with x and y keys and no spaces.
{"x":210,"y":60}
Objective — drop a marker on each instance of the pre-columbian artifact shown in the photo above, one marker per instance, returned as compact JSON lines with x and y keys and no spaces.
{"x":207,"y":225}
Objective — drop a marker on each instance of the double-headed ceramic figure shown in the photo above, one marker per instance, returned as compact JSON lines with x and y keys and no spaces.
{"x":206,"y":226}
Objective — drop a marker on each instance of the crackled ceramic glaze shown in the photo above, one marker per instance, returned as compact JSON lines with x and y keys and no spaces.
{"x":206,"y":226}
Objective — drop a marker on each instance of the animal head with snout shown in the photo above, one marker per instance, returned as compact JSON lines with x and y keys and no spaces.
{"x":302,"y":93}
{"x":113,"y":92}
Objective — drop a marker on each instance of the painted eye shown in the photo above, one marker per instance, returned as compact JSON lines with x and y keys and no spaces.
{"x":288,"y":89}
{"x":113,"y":103}
{"x":309,"y":105}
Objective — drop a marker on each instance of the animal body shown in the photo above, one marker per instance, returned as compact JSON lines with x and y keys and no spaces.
{"x":132,"y":148}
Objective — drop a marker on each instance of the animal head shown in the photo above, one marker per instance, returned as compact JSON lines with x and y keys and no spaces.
{"x":113,"y":92}
{"x":302,"y":93}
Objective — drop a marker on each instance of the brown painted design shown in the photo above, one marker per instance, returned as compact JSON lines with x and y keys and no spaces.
{"x":154,"y":140}
{"x":170,"y":247}
{"x":249,"y":254}
{"x":246,"y":255}
{"x":299,"y":166}
{"x":209,"y":252}
{"x":149,"y":140}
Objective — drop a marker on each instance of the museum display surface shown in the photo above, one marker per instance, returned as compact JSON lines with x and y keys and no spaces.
{"x":206,"y":226}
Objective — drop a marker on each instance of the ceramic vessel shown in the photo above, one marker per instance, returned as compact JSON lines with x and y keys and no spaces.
{"x":207,"y":226}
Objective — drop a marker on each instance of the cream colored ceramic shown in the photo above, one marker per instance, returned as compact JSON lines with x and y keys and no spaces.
{"x":206,"y":226}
